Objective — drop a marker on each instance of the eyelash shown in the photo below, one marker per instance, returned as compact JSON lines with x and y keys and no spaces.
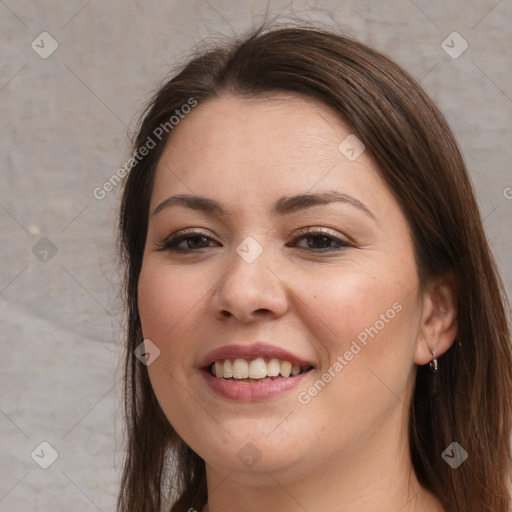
{"x":172,"y":243}
{"x":319,"y":232}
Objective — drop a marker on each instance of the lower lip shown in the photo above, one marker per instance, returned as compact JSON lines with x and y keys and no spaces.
{"x":251,"y":391}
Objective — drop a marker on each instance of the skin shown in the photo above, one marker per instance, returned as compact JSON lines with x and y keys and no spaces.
{"x":347,"y":449}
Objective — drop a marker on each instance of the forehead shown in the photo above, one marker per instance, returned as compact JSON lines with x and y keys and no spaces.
{"x":281,"y":124}
{"x":231,"y":145}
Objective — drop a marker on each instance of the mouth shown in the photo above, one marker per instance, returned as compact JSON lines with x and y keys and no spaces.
{"x":252,"y":372}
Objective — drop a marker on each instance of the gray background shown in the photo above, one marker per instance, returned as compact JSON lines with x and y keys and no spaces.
{"x":64,"y":124}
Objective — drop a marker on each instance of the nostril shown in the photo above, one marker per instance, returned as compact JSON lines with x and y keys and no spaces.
{"x":227,"y":314}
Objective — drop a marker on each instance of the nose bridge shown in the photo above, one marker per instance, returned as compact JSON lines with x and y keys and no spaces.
{"x":250,"y":286}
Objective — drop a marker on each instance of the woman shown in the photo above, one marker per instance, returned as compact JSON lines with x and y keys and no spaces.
{"x":324,"y":327}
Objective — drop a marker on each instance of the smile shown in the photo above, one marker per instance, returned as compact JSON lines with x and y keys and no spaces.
{"x":247,"y":372}
{"x":256,"y":370}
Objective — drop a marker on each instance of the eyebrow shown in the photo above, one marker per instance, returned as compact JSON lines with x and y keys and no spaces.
{"x":283,"y":206}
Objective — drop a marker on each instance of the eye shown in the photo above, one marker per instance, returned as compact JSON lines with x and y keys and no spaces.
{"x":318,"y":240}
{"x":188,"y":242}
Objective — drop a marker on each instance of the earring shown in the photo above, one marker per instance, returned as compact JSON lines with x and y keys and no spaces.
{"x":433,"y":363}
{"x":434,"y":386}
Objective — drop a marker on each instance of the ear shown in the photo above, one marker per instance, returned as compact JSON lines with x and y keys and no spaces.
{"x":438,"y":326}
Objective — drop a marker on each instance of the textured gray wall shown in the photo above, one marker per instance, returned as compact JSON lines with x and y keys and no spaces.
{"x":64,"y":123}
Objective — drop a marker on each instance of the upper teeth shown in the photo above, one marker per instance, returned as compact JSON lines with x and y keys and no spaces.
{"x":254,"y":369}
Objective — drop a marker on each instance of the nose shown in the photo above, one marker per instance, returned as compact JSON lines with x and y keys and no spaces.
{"x":250,"y":291}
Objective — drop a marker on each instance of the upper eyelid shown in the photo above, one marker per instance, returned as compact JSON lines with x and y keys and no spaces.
{"x":314,"y":231}
{"x":190,"y":232}
{"x":302,"y":231}
{"x":317,"y":229}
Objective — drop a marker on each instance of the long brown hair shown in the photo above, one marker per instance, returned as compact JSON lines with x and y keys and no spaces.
{"x":420,"y":161}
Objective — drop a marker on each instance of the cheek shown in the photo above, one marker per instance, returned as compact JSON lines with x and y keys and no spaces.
{"x":167,"y":296}
{"x":171,"y":307}
{"x":339,"y":307}
{"x":365,"y":323}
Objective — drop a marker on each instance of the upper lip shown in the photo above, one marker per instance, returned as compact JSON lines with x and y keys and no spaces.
{"x":249,"y":352}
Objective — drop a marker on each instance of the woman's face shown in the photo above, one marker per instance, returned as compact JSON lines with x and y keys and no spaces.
{"x":284,"y":252}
